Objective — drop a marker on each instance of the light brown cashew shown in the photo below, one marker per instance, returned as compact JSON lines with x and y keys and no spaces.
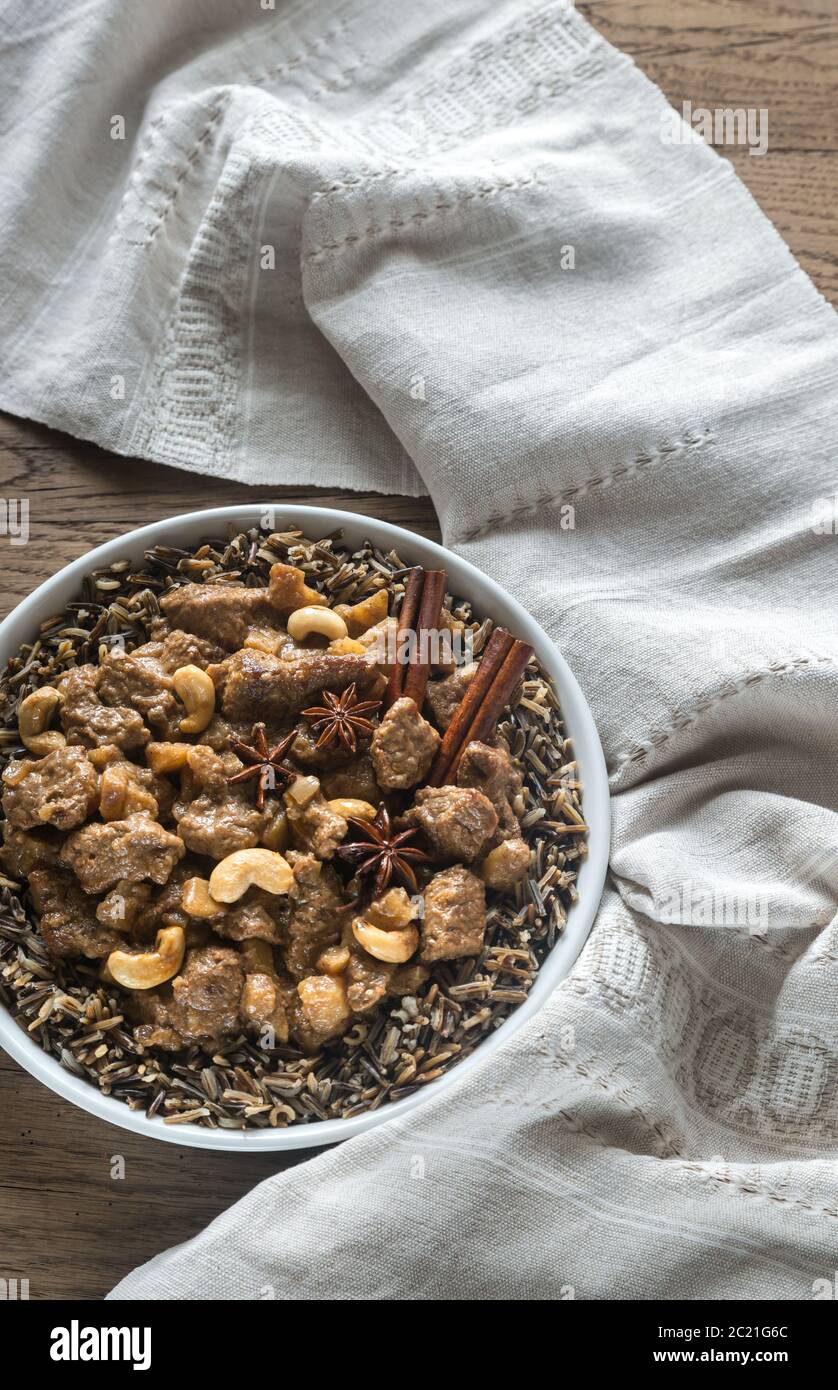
{"x":324,"y":621}
{"x":288,"y":591}
{"x":197,"y":901}
{"x":243,"y":868}
{"x":167,"y":757}
{"x":145,"y":969}
{"x":34,"y":713}
{"x":196,"y":690}
{"x":393,"y":946}
{"x":352,"y":806}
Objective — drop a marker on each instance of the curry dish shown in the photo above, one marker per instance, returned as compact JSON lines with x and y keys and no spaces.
{"x":279,"y":816}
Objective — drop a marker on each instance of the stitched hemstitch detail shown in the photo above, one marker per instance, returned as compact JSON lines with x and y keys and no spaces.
{"x":415,"y":219}
{"x":684,"y":717}
{"x":747,"y":1187}
{"x":692,"y":442}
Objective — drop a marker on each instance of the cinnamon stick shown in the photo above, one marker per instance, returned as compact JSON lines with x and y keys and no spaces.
{"x":408,"y":614}
{"x":497,"y":698}
{"x":496,"y":651}
{"x":430,"y":610}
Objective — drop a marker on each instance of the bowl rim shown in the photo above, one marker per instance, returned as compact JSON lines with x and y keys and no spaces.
{"x":493,"y":599}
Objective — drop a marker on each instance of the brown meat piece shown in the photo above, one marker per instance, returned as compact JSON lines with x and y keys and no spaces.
{"x":25,"y":850}
{"x":455,"y":915}
{"x":201,"y":1005}
{"x":506,"y":865}
{"x":315,"y":826}
{"x":317,"y":913}
{"x":444,"y":696}
{"x":213,"y":817}
{"x":492,"y":771}
{"x":356,"y":780}
{"x":141,"y":683}
{"x":304,"y":750}
{"x":407,"y":979}
{"x":220,"y":613}
{"x":121,"y":907}
{"x":256,"y":685}
{"x":259,"y":917}
{"x":134,"y":849}
{"x":458,"y":822}
{"x":178,"y":649}
{"x":367,"y":981}
{"x":60,"y":789}
{"x":403,"y":746}
{"x":126,"y":789}
{"x":67,"y":917}
{"x":85,"y":719}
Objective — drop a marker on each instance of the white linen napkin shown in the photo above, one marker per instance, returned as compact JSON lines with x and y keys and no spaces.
{"x":494,"y":280}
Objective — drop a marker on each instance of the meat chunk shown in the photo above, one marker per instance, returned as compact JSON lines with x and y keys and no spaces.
{"x":304,"y":750}
{"x":492,"y":771}
{"x":506,"y":864}
{"x":263,"y":1003}
{"x":315,"y":826}
{"x":220,"y":613}
{"x":458,"y":822}
{"x":136,"y":848}
{"x":139,"y":682}
{"x":86,"y":720}
{"x":25,"y":850}
{"x":201,"y":1005}
{"x":356,"y":780}
{"x":67,"y":917}
{"x":367,"y":980}
{"x":121,"y":907}
{"x":443,"y":696}
{"x":213,"y":817}
{"x":403,"y":746}
{"x":323,"y":1012}
{"x":256,"y":685}
{"x":175,"y":649}
{"x":317,"y":913}
{"x":455,"y":915}
{"x":259,"y":917}
{"x":126,"y":789}
{"x":60,"y":789}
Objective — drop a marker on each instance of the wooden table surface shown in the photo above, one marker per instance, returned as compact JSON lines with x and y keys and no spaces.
{"x":66,"y":1224}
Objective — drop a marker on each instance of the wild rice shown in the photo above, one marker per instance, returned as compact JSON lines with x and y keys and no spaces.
{"x":79,"y":1020}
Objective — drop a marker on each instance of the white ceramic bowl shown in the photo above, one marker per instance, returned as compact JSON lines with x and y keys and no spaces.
{"x":488,"y":598}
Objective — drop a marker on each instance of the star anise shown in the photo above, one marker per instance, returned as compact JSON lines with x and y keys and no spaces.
{"x":341,"y":719}
{"x":266,"y":763}
{"x":377,"y":851}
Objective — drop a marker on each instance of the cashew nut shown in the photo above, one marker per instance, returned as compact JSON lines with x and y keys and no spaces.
{"x":33,"y":716}
{"x":197,"y":901}
{"x":352,"y":806}
{"x":393,"y":946}
{"x":145,"y":969}
{"x":167,"y":757}
{"x":197,"y":692}
{"x":288,"y":591}
{"x":231,"y":878}
{"x":325,"y":621}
